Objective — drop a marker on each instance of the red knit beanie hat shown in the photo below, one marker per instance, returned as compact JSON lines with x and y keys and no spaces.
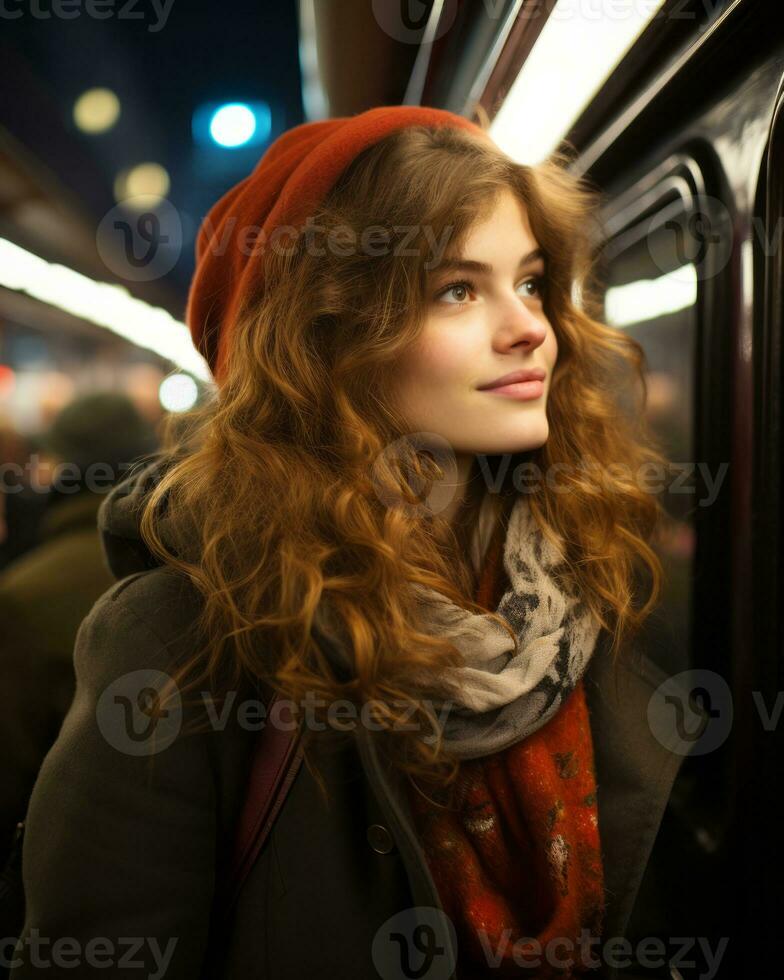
{"x":292,"y":177}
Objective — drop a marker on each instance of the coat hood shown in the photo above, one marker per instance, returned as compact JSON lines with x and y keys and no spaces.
{"x":120,"y":513}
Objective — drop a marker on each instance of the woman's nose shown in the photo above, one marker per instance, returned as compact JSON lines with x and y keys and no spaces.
{"x":519,"y":325}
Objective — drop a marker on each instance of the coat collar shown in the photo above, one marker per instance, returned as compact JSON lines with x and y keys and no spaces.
{"x":638,"y":751}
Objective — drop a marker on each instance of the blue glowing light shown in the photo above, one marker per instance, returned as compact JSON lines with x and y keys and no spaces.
{"x":233,"y":124}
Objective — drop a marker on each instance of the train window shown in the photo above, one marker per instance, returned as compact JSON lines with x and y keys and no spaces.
{"x":664,"y":269}
{"x":655,"y":257}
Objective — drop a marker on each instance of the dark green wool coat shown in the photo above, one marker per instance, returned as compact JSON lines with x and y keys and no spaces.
{"x":129,"y":863}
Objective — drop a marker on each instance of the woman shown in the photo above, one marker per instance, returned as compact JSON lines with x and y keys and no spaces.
{"x":363,"y":517}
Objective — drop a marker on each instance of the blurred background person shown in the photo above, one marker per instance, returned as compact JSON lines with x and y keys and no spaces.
{"x":21,"y":507}
{"x":45,"y":593}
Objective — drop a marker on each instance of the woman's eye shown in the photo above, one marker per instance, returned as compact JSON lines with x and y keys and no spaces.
{"x":538,"y":284}
{"x":460,"y":291}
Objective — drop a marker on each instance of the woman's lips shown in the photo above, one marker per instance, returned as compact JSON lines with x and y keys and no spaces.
{"x":521,"y":390}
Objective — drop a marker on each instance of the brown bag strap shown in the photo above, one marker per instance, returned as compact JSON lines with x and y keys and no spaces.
{"x":277,"y":756}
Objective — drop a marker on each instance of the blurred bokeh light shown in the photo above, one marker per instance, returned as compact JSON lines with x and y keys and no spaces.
{"x":96,"y":110}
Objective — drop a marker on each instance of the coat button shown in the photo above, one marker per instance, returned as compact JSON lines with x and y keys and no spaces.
{"x":380,"y":838}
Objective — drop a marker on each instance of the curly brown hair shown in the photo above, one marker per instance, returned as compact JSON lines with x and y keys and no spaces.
{"x":285,"y":481}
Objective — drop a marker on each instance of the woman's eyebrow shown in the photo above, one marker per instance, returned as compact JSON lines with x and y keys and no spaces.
{"x":471,"y":265}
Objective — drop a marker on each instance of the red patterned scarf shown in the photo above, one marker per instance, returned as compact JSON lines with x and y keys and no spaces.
{"x":517,"y":857}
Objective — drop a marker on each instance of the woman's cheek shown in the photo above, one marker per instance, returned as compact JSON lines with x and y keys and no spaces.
{"x":449,"y":354}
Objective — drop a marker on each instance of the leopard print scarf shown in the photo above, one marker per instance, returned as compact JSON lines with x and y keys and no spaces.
{"x":509,"y":689}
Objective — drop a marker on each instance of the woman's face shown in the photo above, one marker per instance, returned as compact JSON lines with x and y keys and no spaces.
{"x":483,"y":324}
